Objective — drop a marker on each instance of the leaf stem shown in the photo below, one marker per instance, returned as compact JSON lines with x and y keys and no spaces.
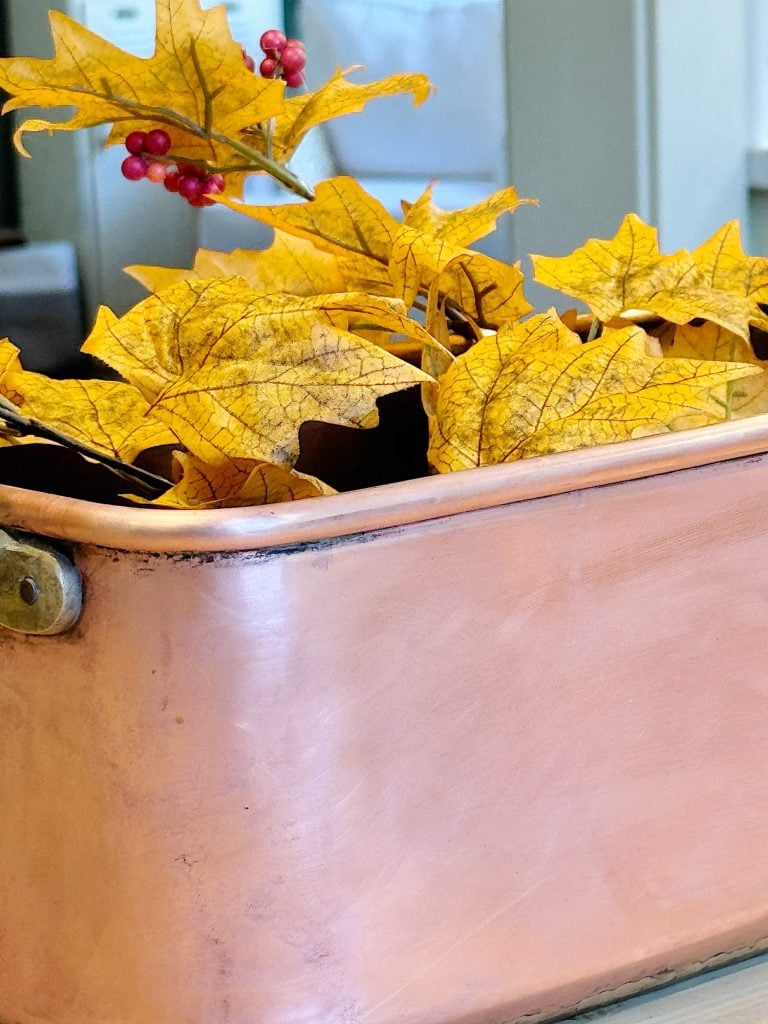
{"x":15,"y":418}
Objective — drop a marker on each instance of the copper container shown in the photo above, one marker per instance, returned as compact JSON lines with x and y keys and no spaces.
{"x":463,"y":750}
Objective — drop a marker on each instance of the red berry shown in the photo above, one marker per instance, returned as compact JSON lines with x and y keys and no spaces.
{"x":295,"y":80}
{"x":268,"y":67}
{"x":172,"y":181}
{"x":296,"y":42}
{"x":293,"y":59}
{"x":156,"y":171}
{"x":134,"y":168}
{"x":191,"y":188}
{"x":135,"y":143}
{"x":272,"y":42}
{"x":214,"y":185}
{"x":157,"y":142}
{"x":249,"y":62}
{"x":193,"y":171}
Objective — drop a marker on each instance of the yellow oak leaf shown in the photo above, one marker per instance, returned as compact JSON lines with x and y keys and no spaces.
{"x":336,"y":98}
{"x":629,"y":273}
{"x":533,"y":389}
{"x":195,"y":84}
{"x":235,"y":483}
{"x":343,"y":220}
{"x":109,"y":416}
{"x":740,"y":398}
{"x":235,"y":372}
{"x":290,"y":264}
{"x":461,"y":227}
{"x":726,"y":267}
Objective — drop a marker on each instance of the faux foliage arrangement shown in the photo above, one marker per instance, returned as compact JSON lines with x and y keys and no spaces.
{"x":212,"y":384}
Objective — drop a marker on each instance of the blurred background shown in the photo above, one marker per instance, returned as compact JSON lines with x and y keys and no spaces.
{"x":595,"y":107}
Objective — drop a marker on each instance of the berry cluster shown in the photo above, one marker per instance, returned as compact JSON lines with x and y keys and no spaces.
{"x":148,"y":151}
{"x":284,"y":58}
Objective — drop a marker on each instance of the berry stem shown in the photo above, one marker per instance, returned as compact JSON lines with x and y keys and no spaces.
{"x":150,"y":483}
{"x":165,"y":115}
{"x":268,"y":137}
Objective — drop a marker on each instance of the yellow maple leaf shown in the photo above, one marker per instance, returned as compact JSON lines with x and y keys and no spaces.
{"x":629,"y":273}
{"x":290,"y":264}
{"x":343,"y":220}
{"x":196,"y":85}
{"x":155,"y":279}
{"x":461,"y":227}
{"x":235,"y":372}
{"x":533,"y":389}
{"x":741,"y":398}
{"x":109,"y":416}
{"x":234,"y":483}
{"x":487,"y":290}
{"x":435,"y":359}
{"x":336,"y":98}
{"x":9,"y":361}
{"x":376,"y":252}
{"x":725,"y":267}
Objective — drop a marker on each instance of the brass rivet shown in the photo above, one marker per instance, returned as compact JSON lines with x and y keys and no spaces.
{"x":29,"y":591}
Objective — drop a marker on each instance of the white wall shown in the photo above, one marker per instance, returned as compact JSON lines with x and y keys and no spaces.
{"x":614,"y":105}
{"x":619,"y":105}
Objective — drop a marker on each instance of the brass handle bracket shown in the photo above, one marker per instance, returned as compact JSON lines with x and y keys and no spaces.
{"x":41,"y":590}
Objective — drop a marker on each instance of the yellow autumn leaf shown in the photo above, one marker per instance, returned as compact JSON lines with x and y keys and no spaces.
{"x":235,"y":372}
{"x":379,"y":254}
{"x":461,"y":227}
{"x":290,"y":264}
{"x":487,"y":290}
{"x":533,"y":389}
{"x":196,"y":84}
{"x":629,"y":273}
{"x":726,"y":267}
{"x":740,"y":398}
{"x":336,"y":98}
{"x":9,"y":361}
{"x":109,"y":416}
{"x":343,"y":220}
{"x":235,"y":483}
{"x":435,"y":360}
{"x":155,"y":279}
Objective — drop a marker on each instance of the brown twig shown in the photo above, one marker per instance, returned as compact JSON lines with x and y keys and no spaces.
{"x":11,"y":415}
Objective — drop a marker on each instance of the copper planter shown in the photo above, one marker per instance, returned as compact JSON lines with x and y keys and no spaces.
{"x":465,"y":750}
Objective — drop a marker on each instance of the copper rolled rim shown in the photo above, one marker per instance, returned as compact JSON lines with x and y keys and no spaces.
{"x":158,"y":531}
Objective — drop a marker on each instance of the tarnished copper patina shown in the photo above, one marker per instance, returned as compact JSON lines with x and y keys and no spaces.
{"x":465,"y":750}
